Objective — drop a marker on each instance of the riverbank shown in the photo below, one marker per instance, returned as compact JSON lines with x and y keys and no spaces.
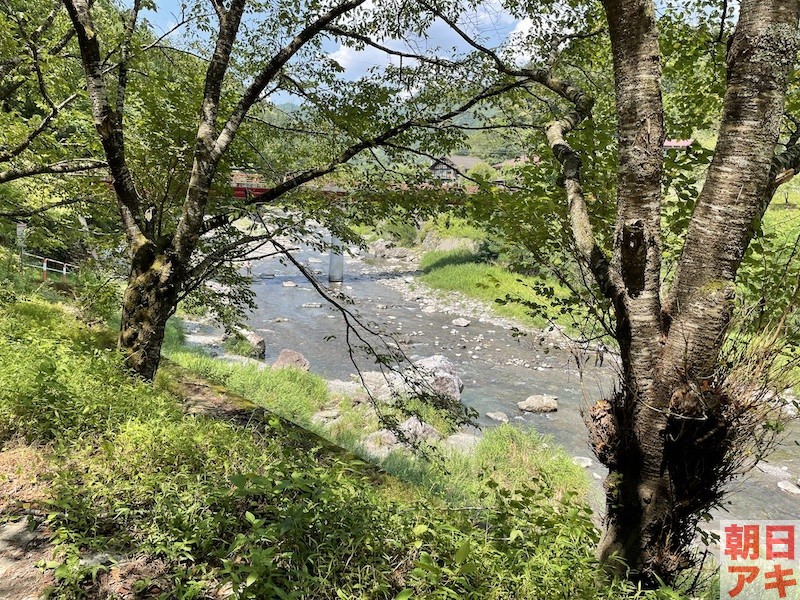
{"x":498,"y":366}
{"x":184,"y":489}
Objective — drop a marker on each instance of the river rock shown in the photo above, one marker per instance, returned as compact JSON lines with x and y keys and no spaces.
{"x":498,"y":416}
{"x":325,"y":417}
{"x":385,"y":249}
{"x":346,"y":389}
{"x":461,"y":322}
{"x":255,"y":340}
{"x":380,"y":443}
{"x":418,"y":431}
{"x":291,"y":358}
{"x":434,"y":374}
{"x":432,"y":241}
{"x":788,"y":486}
{"x":582,"y":461}
{"x":539,"y":403}
{"x":464,"y":443}
{"x":378,"y":385}
{"x":429,"y":309}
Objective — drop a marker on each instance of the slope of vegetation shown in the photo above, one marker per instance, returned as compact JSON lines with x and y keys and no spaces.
{"x":213,"y":507}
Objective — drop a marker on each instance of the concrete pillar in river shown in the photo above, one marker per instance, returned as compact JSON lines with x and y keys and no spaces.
{"x":336,"y":264}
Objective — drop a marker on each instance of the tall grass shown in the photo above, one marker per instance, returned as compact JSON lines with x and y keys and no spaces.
{"x":269,"y":515}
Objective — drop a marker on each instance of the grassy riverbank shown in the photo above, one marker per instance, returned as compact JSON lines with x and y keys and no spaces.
{"x":511,"y":455}
{"x":139,"y":497}
{"x":461,"y":271}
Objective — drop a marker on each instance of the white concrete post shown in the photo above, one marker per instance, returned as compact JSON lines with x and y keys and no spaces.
{"x":336,"y":262}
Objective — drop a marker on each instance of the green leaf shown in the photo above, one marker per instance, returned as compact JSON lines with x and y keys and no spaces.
{"x":463,"y":552}
{"x":419,"y":529}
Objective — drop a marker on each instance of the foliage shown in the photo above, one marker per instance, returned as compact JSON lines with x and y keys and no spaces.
{"x":237,"y":344}
{"x":279,"y":514}
{"x":44,"y":124}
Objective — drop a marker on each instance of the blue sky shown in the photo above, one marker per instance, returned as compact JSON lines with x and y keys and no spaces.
{"x":491,"y":22}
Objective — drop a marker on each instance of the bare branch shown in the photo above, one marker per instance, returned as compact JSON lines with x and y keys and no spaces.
{"x":439,"y":62}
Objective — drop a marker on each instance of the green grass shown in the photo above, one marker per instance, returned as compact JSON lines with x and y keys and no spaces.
{"x":450,"y":226}
{"x":270,"y":514}
{"x":290,"y":393}
{"x":460,"y":271}
{"x":517,"y":457}
{"x":274,"y":512}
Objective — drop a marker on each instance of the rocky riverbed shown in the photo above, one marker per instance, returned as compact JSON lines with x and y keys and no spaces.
{"x":499,"y":367}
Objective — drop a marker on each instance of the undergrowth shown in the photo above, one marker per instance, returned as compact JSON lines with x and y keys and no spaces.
{"x":266,"y":511}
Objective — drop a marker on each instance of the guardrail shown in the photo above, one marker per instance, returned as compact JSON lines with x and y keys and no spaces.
{"x":48,"y":265}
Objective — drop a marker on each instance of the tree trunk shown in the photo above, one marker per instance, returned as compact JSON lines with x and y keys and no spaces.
{"x":666,"y":436}
{"x":149,"y":300}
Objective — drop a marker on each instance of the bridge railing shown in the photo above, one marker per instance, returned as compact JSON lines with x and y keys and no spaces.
{"x":48,"y":265}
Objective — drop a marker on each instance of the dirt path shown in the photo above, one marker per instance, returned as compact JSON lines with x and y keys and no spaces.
{"x":24,"y":543}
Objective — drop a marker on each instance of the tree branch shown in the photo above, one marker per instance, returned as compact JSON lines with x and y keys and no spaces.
{"x":273,"y":67}
{"x":51,"y":169}
{"x":106,"y":121}
{"x":32,"y":212}
{"x":439,"y":62}
{"x":351,"y":151}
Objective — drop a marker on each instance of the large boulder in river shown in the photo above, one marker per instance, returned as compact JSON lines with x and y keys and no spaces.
{"x":291,"y":358}
{"x":498,"y":416}
{"x":539,"y":403}
{"x":432,"y":375}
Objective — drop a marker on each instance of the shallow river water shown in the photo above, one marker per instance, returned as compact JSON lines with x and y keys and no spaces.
{"x":498,"y":367}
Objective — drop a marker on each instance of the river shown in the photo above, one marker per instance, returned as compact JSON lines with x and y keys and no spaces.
{"x":499,"y":367}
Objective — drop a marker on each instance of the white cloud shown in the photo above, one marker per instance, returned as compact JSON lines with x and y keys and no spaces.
{"x":356,"y":63}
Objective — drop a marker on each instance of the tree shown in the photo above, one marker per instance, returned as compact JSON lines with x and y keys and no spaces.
{"x":688,"y":403}
{"x":38,"y":95}
{"x":179,"y":242}
{"x":666,"y":436}
{"x":671,"y":433}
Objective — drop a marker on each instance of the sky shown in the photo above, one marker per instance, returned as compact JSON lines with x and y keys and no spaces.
{"x":494,"y":25}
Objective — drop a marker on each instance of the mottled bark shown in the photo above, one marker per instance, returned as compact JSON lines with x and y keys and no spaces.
{"x":663,"y":436}
{"x":638,"y":490}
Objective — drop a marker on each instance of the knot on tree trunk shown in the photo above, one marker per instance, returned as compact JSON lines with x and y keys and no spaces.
{"x":633,"y":249}
{"x":604,"y":433}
